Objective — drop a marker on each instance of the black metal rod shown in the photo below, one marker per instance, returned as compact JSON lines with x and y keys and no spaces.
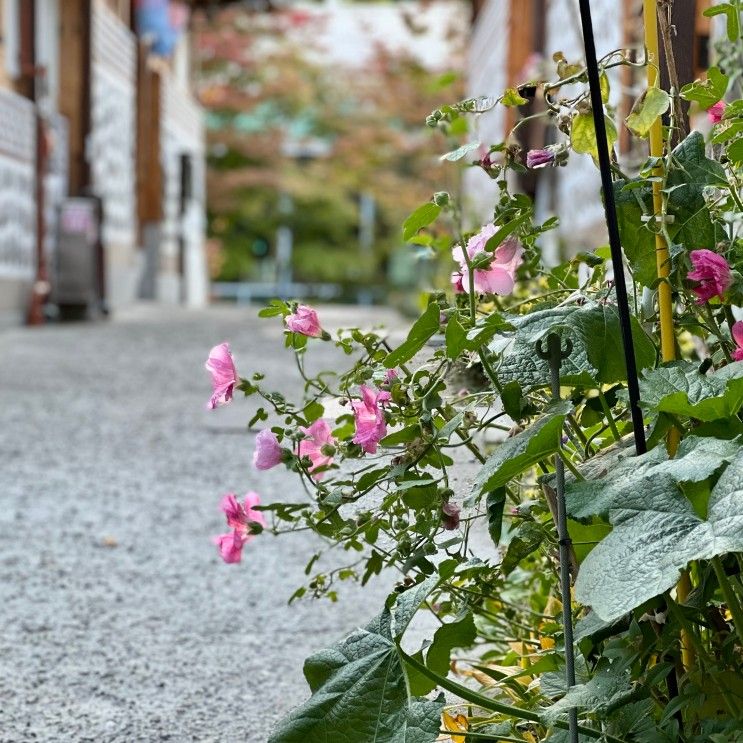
{"x":610,"y":210}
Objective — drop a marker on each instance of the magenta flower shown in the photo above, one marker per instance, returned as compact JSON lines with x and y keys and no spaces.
{"x":500,"y":276}
{"x":371,"y":427}
{"x":451,"y":516}
{"x":305,"y":322}
{"x":737,"y":333}
{"x":712,"y":272}
{"x":456,"y":282}
{"x":539,"y":158}
{"x":239,"y":517}
{"x":319,"y":446}
{"x":224,"y":375}
{"x":714,"y":113}
{"x":390,"y":376}
{"x":267,"y":452}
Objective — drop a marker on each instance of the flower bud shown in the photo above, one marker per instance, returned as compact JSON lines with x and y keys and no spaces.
{"x":441,"y":198}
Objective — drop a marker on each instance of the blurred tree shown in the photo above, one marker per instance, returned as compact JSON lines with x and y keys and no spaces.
{"x":283,"y":120}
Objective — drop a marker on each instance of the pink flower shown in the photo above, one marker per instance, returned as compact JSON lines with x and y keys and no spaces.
{"x":239,"y":517}
{"x":500,"y":276}
{"x":737,"y":333}
{"x":305,"y":322}
{"x":390,"y":376}
{"x":451,"y":516}
{"x":317,"y":446}
{"x":456,"y":282}
{"x":371,"y":427}
{"x":267,"y":452}
{"x":714,"y":113}
{"x":539,"y":158}
{"x":224,"y":375}
{"x":712,"y":272}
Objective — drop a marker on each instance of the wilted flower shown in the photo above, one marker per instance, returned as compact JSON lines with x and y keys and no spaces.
{"x":371,"y":427}
{"x":319,"y":446}
{"x":224,"y":375}
{"x":305,"y":322}
{"x":451,"y":516}
{"x":539,"y":158}
{"x":712,"y":272}
{"x":267,"y":452}
{"x":714,"y":113}
{"x":500,"y":276}
{"x":737,"y":333}
{"x":239,"y":517}
{"x":456,"y":282}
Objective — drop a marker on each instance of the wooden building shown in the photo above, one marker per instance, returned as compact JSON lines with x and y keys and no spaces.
{"x":89,"y":109}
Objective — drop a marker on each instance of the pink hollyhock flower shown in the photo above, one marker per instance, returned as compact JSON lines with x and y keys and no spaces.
{"x":267,"y":452}
{"x":737,"y":333}
{"x":390,"y":376}
{"x":239,"y":517}
{"x":317,"y":446}
{"x":500,"y":276}
{"x":539,"y":158}
{"x":714,"y":113}
{"x":224,"y":375}
{"x":712,"y":272}
{"x":456,"y":282}
{"x":371,"y":427}
{"x":305,"y":322}
{"x":451,"y":516}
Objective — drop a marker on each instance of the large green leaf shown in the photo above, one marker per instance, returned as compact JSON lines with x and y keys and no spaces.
{"x":421,"y":217}
{"x":583,"y":134}
{"x":680,"y":388}
{"x":657,"y":529}
{"x":647,"y":108}
{"x":359,"y":690}
{"x":423,"y":328}
{"x":706,"y":92}
{"x":596,"y":356}
{"x":633,"y":200}
{"x":522,"y":451}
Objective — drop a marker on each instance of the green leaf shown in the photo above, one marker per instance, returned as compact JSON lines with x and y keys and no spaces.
{"x":527,"y":539}
{"x":583,"y":134}
{"x":523,"y":451}
{"x":706,"y":92}
{"x":312,"y":411}
{"x":423,"y":328}
{"x":605,"y":87}
{"x":456,"y":338}
{"x":680,"y":389}
{"x":503,"y":232}
{"x":596,"y":336}
{"x":657,"y":531}
{"x":421,"y":217}
{"x":653,"y":102}
{"x":359,"y":691}
{"x":633,"y":200}
{"x":733,"y":18}
{"x":459,"y":634}
{"x":460,"y":152}
{"x":495,"y":502}
{"x":735,"y":151}
{"x":512,"y":97}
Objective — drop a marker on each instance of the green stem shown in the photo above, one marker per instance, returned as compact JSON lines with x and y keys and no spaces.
{"x":730,"y":598}
{"x":490,"y":372}
{"x":609,"y":417}
{"x":569,"y":464}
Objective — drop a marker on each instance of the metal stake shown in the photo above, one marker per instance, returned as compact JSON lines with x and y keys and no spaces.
{"x":554,"y":354}
{"x":610,"y":210}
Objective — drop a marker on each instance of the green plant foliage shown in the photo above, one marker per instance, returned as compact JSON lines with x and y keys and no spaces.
{"x":653,"y":102}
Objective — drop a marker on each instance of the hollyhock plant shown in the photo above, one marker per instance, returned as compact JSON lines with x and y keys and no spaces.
{"x":539,"y":158}
{"x":451,"y":516}
{"x":712,"y":272}
{"x":305,"y":322}
{"x":318,"y":446}
{"x":239,"y":518}
{"x":500,"y":276}
{"x":371,"y":427}
{"x":456,"y":282}
{"x":715,"y":113}
{"x":737,"y":333}
{"x":221,"y":366}
{"x":267,"y":452}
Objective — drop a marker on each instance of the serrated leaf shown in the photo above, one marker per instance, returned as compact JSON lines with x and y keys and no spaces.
{"x":657,"y":530}
{"x":680,"y":389}
{"x":523,"y":451}
{"x":423,"y":328}
{"x":706,"y":92}
{"x":459,"y":634}
{"x":583,"y":134}
{"x":359,"y":691}
{"x":421,"y":217}
{"x":460,"y":152}
{"x":653,"y":102}
{"x":456,"y":338}
{"x":596,"y":356}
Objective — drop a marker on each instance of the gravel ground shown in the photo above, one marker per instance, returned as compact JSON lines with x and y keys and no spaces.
{"x":119,"y":621}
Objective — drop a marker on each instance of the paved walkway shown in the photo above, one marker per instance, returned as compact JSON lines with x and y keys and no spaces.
{"x":118,"y":621}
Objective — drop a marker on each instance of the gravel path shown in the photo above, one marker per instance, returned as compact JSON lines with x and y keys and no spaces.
{"x":118,"y":620}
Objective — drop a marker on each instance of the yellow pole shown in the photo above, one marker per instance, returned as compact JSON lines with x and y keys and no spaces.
{"x":665,"y":303}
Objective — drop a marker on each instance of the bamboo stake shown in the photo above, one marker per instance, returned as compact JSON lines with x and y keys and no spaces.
{"x":663,"y":261}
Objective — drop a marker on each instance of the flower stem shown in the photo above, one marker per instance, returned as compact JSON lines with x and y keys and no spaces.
{"x":609,"y":417}
{"x":730,"y":598}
